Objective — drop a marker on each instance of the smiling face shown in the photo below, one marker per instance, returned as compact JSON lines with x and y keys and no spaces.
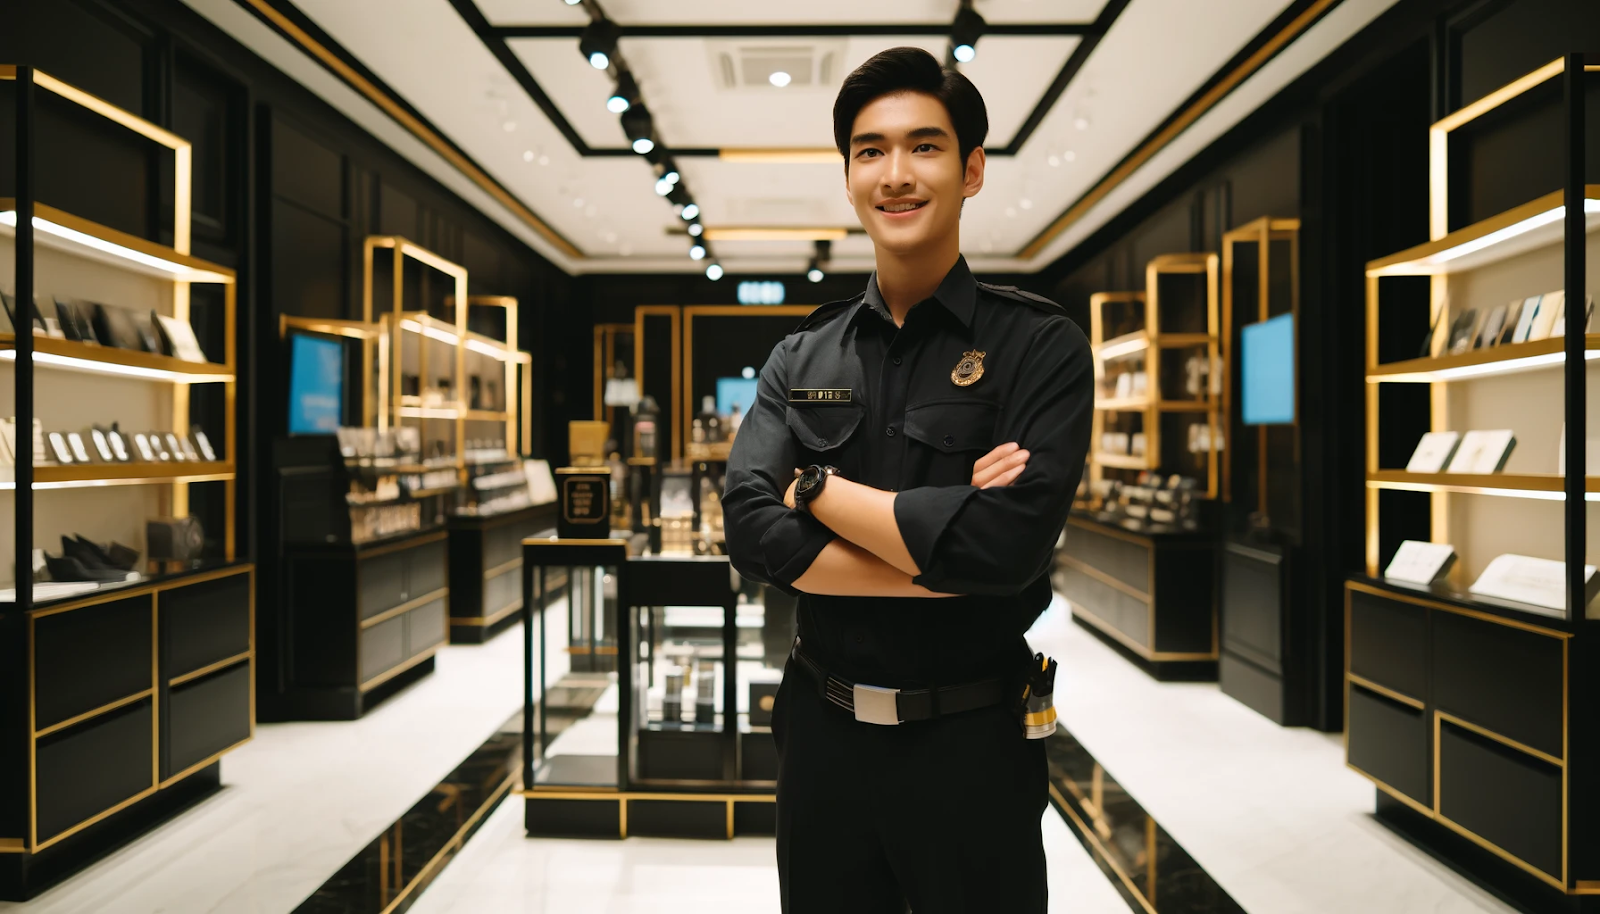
{"x":906,"y":179}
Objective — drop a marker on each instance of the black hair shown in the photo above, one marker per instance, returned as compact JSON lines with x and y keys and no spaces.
{"x":911,"y":70}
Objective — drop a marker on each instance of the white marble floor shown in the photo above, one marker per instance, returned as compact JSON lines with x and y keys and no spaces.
{"x":302,"y":798}
{"x":1271,"y":813}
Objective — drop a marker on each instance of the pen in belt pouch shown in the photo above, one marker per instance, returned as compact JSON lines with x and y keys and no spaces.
{"x":1038,"y":696}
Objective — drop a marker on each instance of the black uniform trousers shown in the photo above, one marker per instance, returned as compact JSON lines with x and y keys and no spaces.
{"x":942,"y":816}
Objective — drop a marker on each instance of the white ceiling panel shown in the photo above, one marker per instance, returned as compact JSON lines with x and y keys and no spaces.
{"x":766,"y":12}
{"x":685,"y":84}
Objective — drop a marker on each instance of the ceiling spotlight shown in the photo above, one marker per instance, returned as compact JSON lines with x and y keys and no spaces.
{"x":714,"y":272}
{"x":672,"y":177}
{"x":573,"y":2}
{"x":678,"y":195}
{"x":638,"y":125}
{"x":690,"y":212}
{"x":779,"y":78}
{"x":814,"y":274}
{"x":624,"y":95}
{"x":695,"y":229}
{"x":698,"y":252}
{"x":964,"y":34}
{"x":643,"y":145}
{"x":663,"y":187}
{"x":598,"y":42}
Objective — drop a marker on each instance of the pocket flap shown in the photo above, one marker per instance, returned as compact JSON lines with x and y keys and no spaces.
{"x":824,"y":428}
{"x":960,"y":425}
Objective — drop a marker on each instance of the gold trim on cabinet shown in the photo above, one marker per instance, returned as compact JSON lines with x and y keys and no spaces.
{"x":1393,"y":792}
{"x":1105,"y":579}
{"x":13,"y":846}
{"x":502,"y":568}
{"x":404,"y":608}
{"x":1458,"y":610}
{"x":394,"y":671}
{"x":210,"y":668}
{"x":209,"y":760}
{"x":63,"y":835}
{"x":387,"y":548}
{"x":93,"y":713}
{"x":1113,"y":532}
{"x":1498,"y":851}
{"x":1485,"y":732}
{"x":612,"y":793}
{"x":1385,"y":691}
{"x":492,"y":618}
{"x":1153,"y":656}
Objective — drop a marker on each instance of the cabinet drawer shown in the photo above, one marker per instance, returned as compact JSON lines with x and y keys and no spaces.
{"x":1125,"y":561}
{"x":85,"y":770}
{"x":1389,"y":741}
{"x":1501,"y":678}
{"x":1504,"y":796}
{"x":502,"y":590}
{"x":88,"y":658}
{"x":206,"y":716}
{"x":204,"y":623}
{"x":1389,"y":643}
{"x":1120,"y":611}
{"x":381,"y":583}
{"x":425,"y":569}
{"x":426,"y":626}
{"x":382,"y":647}
{"x":501,"y":544}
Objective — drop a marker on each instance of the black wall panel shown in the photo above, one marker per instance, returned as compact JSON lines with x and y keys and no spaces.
{"x":310,"y":256}
{"x":88,"y":44}
{"x":306,"y":171}
{"x":1499,"y":41}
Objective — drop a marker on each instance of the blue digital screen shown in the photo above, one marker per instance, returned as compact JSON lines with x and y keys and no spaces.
{"x":316,"y":385}
{"x":736,"y":390}
{"x":1266,"y":360}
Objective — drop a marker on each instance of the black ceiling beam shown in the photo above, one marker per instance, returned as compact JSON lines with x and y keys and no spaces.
{"x":1069,"y":70}
{"x":819,"y":30}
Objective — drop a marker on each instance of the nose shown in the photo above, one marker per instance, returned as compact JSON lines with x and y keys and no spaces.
{"x":897,"y":176}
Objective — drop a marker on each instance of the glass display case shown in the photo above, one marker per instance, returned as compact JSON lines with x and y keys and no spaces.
{"x":649,"y":692}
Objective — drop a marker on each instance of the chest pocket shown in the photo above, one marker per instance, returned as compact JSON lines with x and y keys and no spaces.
{"x":824,"y":429}
{"x":950,"y":436}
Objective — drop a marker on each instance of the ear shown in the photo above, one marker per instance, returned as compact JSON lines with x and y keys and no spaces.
{"x":976,"y":162}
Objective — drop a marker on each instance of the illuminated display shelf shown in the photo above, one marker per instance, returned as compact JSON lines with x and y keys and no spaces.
{"x":1546,"y":486}
{"x":1123,"y":461}
{"x":1512,"y":358}
{"x":63,"y":231}
{"x":88,"y":475}
{"x":91,"y":358}
{"x":1533,"y":225}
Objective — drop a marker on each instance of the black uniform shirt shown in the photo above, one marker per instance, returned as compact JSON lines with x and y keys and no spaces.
{"x":881,"y":403}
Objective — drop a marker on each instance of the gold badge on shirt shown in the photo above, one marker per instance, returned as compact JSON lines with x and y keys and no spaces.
{"x":969,"y":370}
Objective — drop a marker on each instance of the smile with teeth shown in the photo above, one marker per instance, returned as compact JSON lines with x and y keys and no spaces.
{"x":902,"y":207}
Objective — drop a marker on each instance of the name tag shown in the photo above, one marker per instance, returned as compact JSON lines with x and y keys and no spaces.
{"x":819,"y":395}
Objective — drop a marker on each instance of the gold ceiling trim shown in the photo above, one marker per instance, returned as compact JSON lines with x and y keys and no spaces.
{"x":798,"y":156}
{"x":775,"y":233}
{"x":1179,"y":124}
{"x":416,"y":127}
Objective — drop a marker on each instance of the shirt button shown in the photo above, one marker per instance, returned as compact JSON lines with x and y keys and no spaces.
{"x":889,"y":431}
{"x":897,"y":360}
{"x":860,"y":639}
{"x":949,"y":440}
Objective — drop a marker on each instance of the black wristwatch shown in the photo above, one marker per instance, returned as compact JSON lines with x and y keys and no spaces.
{"x":811,"y":479}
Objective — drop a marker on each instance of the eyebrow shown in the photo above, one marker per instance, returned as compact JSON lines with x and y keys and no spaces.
{"x":920,"y":133}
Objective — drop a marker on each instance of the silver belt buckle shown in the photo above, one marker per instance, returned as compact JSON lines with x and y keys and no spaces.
{"x":874,"y":705}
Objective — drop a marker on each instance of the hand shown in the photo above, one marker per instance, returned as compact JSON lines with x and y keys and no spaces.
{"x":788,"y":494}
{"x":1000,"y":467}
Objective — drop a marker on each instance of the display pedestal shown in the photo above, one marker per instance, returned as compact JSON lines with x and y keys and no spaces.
{"x":485,"y":569}
{"x":1151,"y":595}
{"x":1259,"y":660}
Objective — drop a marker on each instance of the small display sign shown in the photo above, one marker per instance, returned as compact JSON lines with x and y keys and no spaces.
{"x":585,"y":503}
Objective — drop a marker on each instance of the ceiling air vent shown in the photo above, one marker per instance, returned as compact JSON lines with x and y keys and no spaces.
{"x":741,"y":65}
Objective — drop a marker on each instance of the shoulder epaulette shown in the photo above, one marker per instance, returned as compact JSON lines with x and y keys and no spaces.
{"x":1027,"y":298}
{"x":826,"y":312}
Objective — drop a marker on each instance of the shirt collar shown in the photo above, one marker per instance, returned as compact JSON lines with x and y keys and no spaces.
{"x":958,"y":293}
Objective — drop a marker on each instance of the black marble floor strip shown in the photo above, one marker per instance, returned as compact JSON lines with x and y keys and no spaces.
{"x":388,"y":875}
{"x":1152,"y":872}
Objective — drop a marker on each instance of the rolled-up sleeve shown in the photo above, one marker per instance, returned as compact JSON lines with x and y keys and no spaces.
{"x":997,"y":541}
{"x":767,"y":540}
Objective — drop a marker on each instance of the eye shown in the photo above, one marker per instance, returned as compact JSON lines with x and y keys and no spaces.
{"x":867,"y":153}
{"x":925,"y":147}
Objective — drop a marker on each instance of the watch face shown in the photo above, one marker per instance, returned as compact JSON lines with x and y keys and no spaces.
{"x":175,"y":447}
{"x":809,"y":480}
{"x":119,"y":446}
{"x":102,"y":446}
{"x":142,"y":442}
{"x":58,"y":447}
{"x":80,"y":452}
{"x":204,"y":444}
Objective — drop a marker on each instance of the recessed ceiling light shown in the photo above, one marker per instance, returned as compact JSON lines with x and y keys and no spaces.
{"x":779,"y":78}
{"x":544,"y":160}
{"x":611,"y":237}
{"x":527,"y":155}
{"x":1081,"y":122}
{"x":592,"y":212}
{"x":714,"y":272}
{"x":509,"y":126}
{"x":1025,"y":204}
{"x":1011,"y":212}
{"x":577,"y":203}
{"x":1069,"y":155}
{"x":747,"y":372}
{"x":1054,"y":160}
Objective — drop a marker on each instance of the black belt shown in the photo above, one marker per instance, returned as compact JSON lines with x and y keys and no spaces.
{"x":875,"y":705}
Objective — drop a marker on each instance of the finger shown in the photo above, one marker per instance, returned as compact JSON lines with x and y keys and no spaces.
{"x":1006,"y":478}
{"x":1017,"y":459}
{"x":989,"y":459}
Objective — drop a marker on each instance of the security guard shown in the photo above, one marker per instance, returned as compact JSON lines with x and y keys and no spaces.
{"x":907,"y":468}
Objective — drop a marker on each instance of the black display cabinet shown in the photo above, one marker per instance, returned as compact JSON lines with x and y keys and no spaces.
{"x":485,"y":561}
{"x":636,"y":722}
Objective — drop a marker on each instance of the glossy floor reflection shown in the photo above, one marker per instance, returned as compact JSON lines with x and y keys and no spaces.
{"x":390,"y":873}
